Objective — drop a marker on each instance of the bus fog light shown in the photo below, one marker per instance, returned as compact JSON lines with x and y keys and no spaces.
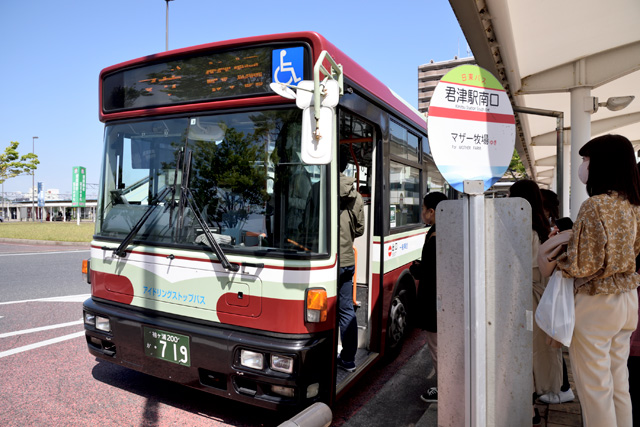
{"x":282,"y":391}
{"x":89,"y":319}
{"x":103,"y":324}
{"x":282,"y":363}
{"x":312,"y":390}
{"x":251,"y":359}
{"x":313,"y":316}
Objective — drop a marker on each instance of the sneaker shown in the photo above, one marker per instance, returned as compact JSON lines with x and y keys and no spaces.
{"x":553,"y":398}
{"x":430,"y":396}
{"x":536,"y":421}
{"x":347,"y":366}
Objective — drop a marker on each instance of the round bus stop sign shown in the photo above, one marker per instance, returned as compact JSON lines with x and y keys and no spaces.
{"x":471,"y":127}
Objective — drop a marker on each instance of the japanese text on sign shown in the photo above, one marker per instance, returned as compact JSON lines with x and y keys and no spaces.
{"x":472,"y":96}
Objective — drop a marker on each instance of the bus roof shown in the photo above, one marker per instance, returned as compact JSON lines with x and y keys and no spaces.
{"x":318,"y":43}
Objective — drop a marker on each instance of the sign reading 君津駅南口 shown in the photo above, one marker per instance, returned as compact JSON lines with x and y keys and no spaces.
{"x":471,"y":127}
{"x":79,"y":187}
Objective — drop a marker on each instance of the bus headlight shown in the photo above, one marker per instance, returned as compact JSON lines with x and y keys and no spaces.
{"x":89,"y":319}
{"x":316,"y":308}
{"x":103,"y":324}
{"x":282,"y":363}
{"x":251,"y":359}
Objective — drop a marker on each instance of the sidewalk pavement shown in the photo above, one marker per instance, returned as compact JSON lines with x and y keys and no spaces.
{"x":43,"y":242}
{"x":398,"y":402}
{"x":564,"y":414}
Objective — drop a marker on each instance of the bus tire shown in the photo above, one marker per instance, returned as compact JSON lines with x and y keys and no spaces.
{"x":398,"y":326}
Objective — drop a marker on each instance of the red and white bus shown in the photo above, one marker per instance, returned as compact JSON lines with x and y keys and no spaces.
{"x":214,"y":262}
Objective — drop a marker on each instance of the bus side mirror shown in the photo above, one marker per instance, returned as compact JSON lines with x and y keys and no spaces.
{"x":318,"y":130}
{"x":317,"y":136}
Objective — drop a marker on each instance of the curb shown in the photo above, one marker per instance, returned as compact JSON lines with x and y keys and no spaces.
{"x":43,"y":242}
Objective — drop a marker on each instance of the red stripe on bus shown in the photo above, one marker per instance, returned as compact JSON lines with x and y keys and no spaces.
{"x":478,"y":116}
{"x":215,"y":261}
{"x":421,"y":233}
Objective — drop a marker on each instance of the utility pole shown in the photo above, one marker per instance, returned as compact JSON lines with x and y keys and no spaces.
{"x":33,"y":180}
{"x":167,"y":27}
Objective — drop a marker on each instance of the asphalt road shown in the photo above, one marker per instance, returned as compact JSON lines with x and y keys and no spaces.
{"x":50,"y":379}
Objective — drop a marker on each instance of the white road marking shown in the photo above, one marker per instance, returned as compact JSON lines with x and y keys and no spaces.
{"x":66,"y":298}
{"x":41,"y":328}
{"x":40,"y":344}
{"x":45,"y":253}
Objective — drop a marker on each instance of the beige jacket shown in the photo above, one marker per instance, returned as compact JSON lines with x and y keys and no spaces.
{"x":351,"y":219}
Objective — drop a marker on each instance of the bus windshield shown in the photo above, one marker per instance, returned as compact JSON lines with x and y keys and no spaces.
{"x":240,"y":175}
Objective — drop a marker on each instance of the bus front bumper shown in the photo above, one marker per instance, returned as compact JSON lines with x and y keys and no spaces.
{"x":216,"y":356}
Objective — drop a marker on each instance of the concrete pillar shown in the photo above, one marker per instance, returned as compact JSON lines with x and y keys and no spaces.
{"x":580,"y":135}
{"x":566,"y":178}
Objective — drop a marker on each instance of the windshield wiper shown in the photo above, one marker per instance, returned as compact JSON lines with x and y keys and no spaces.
{"x":121,"y":251}
{"x":213,"y":243}
{"x":187,"y":199}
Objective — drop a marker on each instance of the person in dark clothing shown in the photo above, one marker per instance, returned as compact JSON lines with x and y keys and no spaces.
{"x":425,"y":271}
{"x":351,"y":226}
{"x":551,"y":205}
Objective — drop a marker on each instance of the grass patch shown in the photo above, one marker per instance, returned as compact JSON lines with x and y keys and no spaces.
{"x":55,"y":231}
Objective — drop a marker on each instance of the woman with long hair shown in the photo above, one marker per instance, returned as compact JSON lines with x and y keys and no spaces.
{"x":547,"y":360}
{"x":599,"y":253}
{"x":551,"y":205}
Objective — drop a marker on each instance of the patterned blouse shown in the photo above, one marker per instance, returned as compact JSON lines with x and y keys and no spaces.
{"x":604,"y":245}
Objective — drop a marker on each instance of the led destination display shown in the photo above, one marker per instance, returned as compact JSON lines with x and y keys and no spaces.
{"x":204,"y":77}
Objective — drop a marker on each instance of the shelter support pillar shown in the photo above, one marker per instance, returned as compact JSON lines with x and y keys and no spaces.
{"x":566,"y":178}
{"x":580,"y":134}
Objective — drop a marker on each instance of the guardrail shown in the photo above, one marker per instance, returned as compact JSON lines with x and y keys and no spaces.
{"x":316,"y":415}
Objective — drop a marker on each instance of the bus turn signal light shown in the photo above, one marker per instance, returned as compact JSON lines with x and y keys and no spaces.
{"x":316,"y":305}
{"x":86,"y":268}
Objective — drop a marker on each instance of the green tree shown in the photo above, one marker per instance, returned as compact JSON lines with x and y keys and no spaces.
{"x":13,"y":164}
{"x":516,"y":168}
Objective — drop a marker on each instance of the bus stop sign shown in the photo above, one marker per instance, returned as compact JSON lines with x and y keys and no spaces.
{"x":471,"y":127}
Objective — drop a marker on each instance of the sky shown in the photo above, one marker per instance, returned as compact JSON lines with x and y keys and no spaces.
{"x":52,"y":54}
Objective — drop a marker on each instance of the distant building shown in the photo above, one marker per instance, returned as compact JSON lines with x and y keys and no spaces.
{"x":430,"y":74}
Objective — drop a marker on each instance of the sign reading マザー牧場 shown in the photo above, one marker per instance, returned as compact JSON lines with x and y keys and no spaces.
{"x":471,"y":127}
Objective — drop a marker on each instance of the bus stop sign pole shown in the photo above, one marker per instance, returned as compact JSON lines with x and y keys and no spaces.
{"x":475,"y":305}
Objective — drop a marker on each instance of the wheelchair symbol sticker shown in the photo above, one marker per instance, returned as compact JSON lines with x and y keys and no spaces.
{"x":288,"y":65}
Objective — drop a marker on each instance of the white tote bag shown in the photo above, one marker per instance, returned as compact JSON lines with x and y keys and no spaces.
{"x":556,"y":314}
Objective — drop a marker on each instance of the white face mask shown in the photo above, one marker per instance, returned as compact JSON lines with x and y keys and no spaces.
{"x":583,"y":171}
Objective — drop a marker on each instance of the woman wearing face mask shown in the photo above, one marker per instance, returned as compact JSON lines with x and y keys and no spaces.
{"x":599,"y":253}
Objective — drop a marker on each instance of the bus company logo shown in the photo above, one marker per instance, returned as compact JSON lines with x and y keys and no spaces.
{"x":396,"y":247}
